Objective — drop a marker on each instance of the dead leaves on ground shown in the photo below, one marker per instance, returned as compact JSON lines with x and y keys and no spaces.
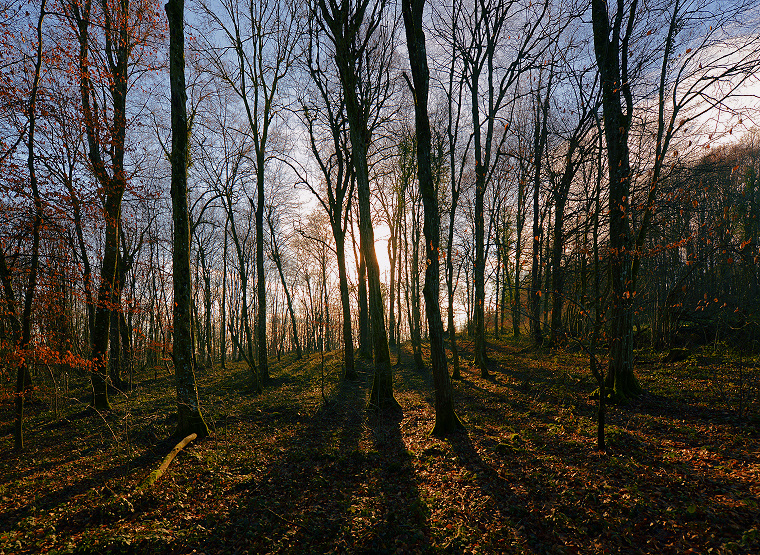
{"x":287,"y":472}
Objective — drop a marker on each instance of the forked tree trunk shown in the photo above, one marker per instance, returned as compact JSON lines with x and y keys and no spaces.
{"x":345,"y":25}
{"x":114,"y":183}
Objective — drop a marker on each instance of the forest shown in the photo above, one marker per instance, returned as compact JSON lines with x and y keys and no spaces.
{"x":391,"y":276}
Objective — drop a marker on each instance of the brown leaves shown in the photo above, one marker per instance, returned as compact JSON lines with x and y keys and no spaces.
{"x":316,"y":477}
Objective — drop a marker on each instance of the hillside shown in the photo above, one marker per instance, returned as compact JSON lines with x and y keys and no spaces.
{"x":286,"y":472}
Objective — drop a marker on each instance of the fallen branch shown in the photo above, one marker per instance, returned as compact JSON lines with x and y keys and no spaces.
{"x":156,"y":474}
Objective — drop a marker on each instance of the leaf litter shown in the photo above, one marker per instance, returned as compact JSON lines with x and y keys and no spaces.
{"x":289,"y":472}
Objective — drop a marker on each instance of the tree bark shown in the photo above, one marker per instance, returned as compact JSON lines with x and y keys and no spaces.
{"x":345,"y":24}
{"x":190,"y":419}
{"x":446,"y":420}
{"x":611,"y":50}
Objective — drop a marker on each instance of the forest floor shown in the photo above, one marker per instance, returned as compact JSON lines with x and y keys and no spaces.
{"x":289,"y":471}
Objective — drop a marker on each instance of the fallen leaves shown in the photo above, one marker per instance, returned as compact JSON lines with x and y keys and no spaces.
{"x":286,"y":473}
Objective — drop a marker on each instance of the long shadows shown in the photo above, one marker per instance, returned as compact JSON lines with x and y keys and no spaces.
{"x":341,"y":482}
{"x":309,"y":481}
{"x":401,"y":522}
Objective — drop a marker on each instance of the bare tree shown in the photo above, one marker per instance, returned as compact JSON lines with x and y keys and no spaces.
{"x":540,"y":109}
{"x":113,"y":29}
{"x":573,"y":129}
{"x":701,"y":56}
{"x":254,"y":49}
{"x":362,"y":52}
{"x":190,"y":420}
{"x":324,"y":113}
{"x":446,"y":420}
{"x":21,"y":324}
{"x":275,"y":231}
{"x":492,"y":62}
{"x":223,"y":164}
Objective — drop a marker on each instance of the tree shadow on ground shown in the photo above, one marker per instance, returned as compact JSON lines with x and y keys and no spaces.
{"x":58,"y":494}
{"x":327,"y":488}
{"x":400,"y":522}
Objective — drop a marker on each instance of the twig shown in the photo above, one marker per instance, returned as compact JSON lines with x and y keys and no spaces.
{"x":286,"y":520}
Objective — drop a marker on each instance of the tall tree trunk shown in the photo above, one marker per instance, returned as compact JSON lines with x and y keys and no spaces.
{"x":23,"y":339}
{"x":519,"y":224}
{"x":392,"y":246}
{"x":498,"y":284}
{"x":17,"y":334}
{"x":83,"y":255}
{"x":261,"y":320}
{"x":114,"y":184}
{"x":480,"y":359}
{"x":278,"y":263}
{"x":414,"y":283}
{"x":125,"y":332}
{"x":546,"y":263}
{"x":114,"y":350}
{"x":243,"y":345}
{"x":611,"y":46}
{"x":558,"y":271}
{"x":446,"y":420}
{"x":479,"y":297}
{"x":455,"y":372}
{"x":539,"y":142}
{"x":326,"y":306}
{"x":207,"y":309}
{"x":105,"y":294}
{"x":223,"y":314}
{"x":345,"y":26}
{"x":189,"y":415}
{"x":506,"y":282}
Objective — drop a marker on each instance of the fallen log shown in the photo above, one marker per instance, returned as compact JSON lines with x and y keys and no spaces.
{"x":156,"y":474}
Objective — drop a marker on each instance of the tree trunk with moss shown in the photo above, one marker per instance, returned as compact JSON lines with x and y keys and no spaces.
{"x":190,"y":419}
